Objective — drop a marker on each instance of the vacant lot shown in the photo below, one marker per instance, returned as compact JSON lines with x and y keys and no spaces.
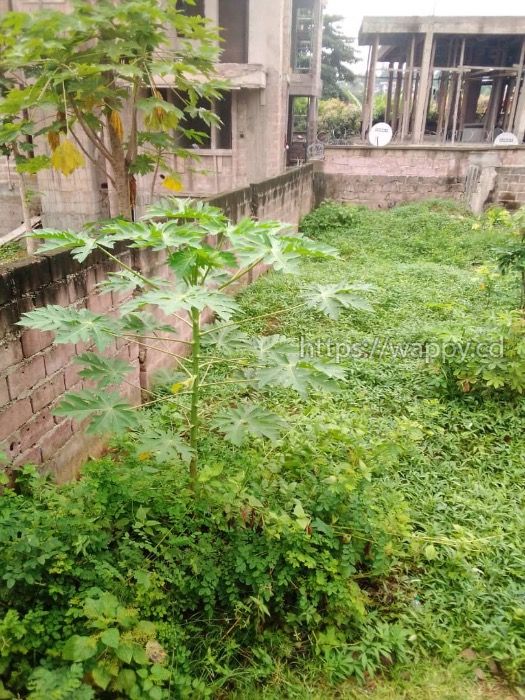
{"x":373,"y":550}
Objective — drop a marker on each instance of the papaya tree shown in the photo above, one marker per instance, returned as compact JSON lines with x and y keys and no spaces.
{"x":88,"y":82}
{"x":207,"y":258}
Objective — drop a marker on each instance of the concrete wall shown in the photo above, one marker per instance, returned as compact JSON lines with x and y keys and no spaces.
{"x":381,"y":178}
{"x":34,"y":373}
{"x":10,"y":204}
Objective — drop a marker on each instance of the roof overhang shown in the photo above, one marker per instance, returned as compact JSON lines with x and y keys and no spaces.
{"x":237,"y":76}
{"x":246,"y":76}
{"x":390,"y":29}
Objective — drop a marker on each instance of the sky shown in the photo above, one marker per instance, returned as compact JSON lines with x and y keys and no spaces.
{"x":352,"y":22}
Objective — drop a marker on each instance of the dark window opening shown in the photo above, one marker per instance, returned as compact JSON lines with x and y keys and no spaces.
{"x":233,"y":21}
{"x":198,"y":132}
{"x":192,"y":10}
{"x":194,"y":132}
{"x":223,"y":109}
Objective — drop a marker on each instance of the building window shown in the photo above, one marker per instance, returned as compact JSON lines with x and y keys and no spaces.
{"x":303,"y":36}
{"x":198,"y":134}
{"x":197,"y":9}
{"x":233,"y":21}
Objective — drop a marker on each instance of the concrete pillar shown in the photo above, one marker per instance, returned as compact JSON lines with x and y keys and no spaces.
{"x":368,"y":107}
{"x":407,"y":90}
{"x":515,"y":99}
{"x":312,"y":120}
{"x":459,"y":86}
{"x":397,"y":97}
{"x":472,"y":91}
{"x":389,"y":93}
{"x":421,"y":96}
{"x":520,"y":116}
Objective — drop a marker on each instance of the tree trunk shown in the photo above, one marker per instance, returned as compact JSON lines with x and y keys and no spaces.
{"x":120,"y":203}
{"x":31,"y":243}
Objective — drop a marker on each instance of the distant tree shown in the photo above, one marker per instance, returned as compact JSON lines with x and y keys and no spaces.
{"x":337,"y":57}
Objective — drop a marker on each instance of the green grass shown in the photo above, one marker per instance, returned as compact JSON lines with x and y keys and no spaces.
{"x":461,"y":585}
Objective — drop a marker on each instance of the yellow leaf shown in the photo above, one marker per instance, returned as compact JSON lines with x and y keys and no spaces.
{"x":67,"y":158}
{"x":116,"y":123}
{"x":171,"y":183}
{"x":144,"y":456}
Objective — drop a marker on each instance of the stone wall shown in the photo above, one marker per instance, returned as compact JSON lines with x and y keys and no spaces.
{"x":382,"y":178}
{"x":509,"y":187}
{"x":34,"y":373}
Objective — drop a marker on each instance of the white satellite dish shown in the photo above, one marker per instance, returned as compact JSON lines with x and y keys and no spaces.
{"x":380,"y":134}
{"x":507,"y":138}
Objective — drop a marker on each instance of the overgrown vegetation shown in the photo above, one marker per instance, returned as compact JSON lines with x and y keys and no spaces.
{"x":381,"y":530}
{"x":10,"y":252}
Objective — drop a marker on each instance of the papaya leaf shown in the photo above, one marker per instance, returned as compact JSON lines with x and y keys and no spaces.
{"x":108,"y":412}
{"x":331,"y":299}
{"x":237,"y":424}
{"x":71,"y":325}
{"x":105,"y":371}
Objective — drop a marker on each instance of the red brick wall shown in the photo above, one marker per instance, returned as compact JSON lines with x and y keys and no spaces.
{"x":34,"y":373}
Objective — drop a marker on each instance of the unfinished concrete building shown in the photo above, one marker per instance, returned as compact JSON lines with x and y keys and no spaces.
{"x":272,"y":59}
{"x":450,"y":79}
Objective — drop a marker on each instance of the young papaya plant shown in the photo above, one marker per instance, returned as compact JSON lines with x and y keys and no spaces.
{"x":207,"y":257}
{"x":512,"y":258}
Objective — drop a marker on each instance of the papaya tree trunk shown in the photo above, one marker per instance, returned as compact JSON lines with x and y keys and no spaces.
{"x":31,"y":243}
{"x":120,"y":202}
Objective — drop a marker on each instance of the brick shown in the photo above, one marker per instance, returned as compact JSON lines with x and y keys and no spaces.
{"x":48,"y":392}
{"x":10,"y":354}
{"x":34,"y":341}
{"x":61,"y":264}
{"x":58,"y":357}
{"x":29,"y":274}
{"x":9,"y":315}
{"x":4,"y":392}
{"x":72,"y":375}
{"x":68,"y":461}
{"x":56,"y":294}
{"x":25,"y":376}
{"x":77,"y":287}
{"x":14,"y":416}
{"x":100,"y":303}
{"x":52,"y":441}
{"x":6,"y":288}
{"x":12,"y":446}
{"x":37,"y":426}
{"x":32,"y":456}
{"x":83,"y":347}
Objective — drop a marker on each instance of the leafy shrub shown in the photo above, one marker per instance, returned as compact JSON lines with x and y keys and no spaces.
{"x":338,"y":120}
{"x":512,"y":257}
{"x":490,"y":360}
{"x":330,"y":217}
{"x":128,"y":582}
